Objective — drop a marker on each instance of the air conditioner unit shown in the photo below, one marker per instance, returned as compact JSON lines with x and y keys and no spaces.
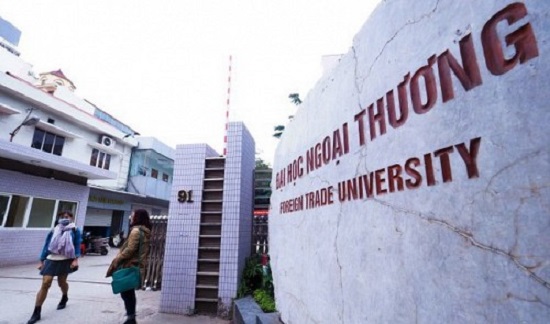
{"x":107,"y":141}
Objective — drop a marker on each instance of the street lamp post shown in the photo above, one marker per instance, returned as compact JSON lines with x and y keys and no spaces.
{"x":28,"y":121}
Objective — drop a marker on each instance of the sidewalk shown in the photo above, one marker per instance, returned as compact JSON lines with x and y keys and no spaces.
{"x":90,"y":297}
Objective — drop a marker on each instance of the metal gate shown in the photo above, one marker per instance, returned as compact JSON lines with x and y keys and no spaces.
{"x":153,"y":272}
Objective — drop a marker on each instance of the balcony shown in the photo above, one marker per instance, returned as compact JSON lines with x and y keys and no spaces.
{"x":25,"y":159}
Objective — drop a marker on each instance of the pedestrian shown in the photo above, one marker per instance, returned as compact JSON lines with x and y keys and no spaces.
{"x":128,"y":256}
{"x":59,"y":258}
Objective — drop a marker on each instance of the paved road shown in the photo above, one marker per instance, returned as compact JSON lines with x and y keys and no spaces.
{"x":90,"y":298}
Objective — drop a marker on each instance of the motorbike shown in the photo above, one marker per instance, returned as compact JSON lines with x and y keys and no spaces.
{"x":94,"y":244}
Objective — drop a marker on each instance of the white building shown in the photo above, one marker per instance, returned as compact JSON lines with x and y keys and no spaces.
{"x":144,"y":182}
{"x":60,"y":152}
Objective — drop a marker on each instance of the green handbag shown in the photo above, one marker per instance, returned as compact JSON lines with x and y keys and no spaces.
{"x":127,"y":278}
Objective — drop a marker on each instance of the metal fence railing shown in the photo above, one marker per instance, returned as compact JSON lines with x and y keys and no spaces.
{"x":153,"y":272}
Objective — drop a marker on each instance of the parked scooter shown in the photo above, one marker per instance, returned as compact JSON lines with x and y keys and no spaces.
{"x":95,"y":244}
{"x":117,"y":240}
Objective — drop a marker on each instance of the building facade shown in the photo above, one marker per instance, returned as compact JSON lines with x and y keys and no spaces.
{"x":60,"y":152}
{"x":262,"y":196}
{"x":144,"y":184}
{"x":49,"y":149}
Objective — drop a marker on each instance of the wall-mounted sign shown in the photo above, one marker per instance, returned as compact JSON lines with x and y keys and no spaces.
{"x":185,"y":196}
{"x":106,"y":200}
{"x":396,"y":163}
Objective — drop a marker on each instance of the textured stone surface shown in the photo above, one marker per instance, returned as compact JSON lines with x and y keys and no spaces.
{"x":245,"y":311}
{"x":466,"y":243}
{"x":268,"y":318}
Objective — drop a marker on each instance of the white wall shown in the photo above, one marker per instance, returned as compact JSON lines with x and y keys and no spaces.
{"x":15,"y":65}
{"x":76,"y":148}
{"x":152,"y":143}
{"x":120,"y":163}
{"x":468,"y":243}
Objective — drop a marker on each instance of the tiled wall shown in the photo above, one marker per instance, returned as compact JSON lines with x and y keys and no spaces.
{"x":26,"y":244}
{"x":237,"y":212}
{"x":182,"y":237}
{"x":180,"y":262}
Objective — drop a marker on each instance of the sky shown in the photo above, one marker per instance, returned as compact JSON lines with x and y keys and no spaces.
{"x":162,"y":67}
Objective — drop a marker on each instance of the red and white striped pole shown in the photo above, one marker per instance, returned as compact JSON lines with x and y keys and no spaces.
{"x":227,"y":109}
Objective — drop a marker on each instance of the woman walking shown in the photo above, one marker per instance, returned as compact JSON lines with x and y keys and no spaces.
{"x":59,"y":257}
{"x":129,"y":255}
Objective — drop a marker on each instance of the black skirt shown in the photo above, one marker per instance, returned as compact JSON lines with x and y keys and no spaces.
{"x":56,"y":267}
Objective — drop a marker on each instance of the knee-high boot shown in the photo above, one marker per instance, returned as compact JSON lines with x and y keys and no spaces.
{"x":35,"y":315}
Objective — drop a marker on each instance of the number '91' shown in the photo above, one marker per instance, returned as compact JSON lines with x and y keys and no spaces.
{"x":185,"y":196}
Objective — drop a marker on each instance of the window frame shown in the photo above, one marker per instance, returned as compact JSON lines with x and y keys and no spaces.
{"x":100,"y":159}
{"x":28,"y":209}
{"x":25,"y":213}
{"x":57,"y":142}
{"x":6,"y":212}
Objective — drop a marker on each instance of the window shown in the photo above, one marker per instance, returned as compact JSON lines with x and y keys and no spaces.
{"x":16,"y":211}
{"x":63,"y":206}
{"x":261,"y":201}
{"x":165,"y":177}
{"x":93,"y":159}
{"x":262,"y":183}
{"x":4,"y":203}
{"x":40,"y":212}
{"x":48,"y":142}
{"x":107,"y":163}
{"x":100,"y":159}
{"x":262,"y":192}
{"x":142,"y":170}
{"x":154,"y":173}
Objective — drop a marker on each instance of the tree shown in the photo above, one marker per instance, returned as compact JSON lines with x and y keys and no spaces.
{"x":295,"y":98}
{"x":261,"y":165}
{"x":278,"y":131}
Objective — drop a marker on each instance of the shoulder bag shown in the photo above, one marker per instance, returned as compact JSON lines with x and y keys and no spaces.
{"x":127,"y":278}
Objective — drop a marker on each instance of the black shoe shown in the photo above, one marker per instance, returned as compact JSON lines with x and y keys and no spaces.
{"x":35,"y":315}
{"x":63,"y":302}
{"x":130,"y":319}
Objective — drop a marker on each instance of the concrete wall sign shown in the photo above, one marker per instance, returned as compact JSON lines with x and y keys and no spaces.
{"x":412,"y":184}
